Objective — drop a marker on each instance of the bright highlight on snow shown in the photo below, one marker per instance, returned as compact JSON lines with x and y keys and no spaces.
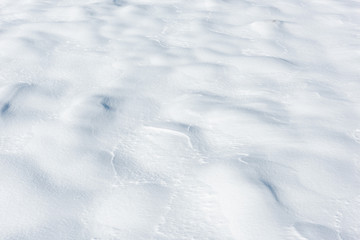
{"x":179,"y":119}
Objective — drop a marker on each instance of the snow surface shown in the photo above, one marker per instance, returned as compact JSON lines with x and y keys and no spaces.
{"x":179,"y":119}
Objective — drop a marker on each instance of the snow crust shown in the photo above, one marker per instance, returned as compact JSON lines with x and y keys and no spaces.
{"x":179,"y":119}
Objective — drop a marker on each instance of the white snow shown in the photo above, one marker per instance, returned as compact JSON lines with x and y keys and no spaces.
{"x":179,"y":119}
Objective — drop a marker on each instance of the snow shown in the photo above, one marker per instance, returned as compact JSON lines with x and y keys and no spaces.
{"x":178,"y":119}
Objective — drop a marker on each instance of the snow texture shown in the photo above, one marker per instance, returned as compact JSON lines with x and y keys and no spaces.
{"x":179,"y":119}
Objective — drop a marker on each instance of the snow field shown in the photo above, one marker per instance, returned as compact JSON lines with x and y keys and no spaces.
{"x":215,"y":119}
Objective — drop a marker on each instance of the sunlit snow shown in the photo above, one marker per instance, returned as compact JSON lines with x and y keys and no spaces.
{"x":180,"y":119}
